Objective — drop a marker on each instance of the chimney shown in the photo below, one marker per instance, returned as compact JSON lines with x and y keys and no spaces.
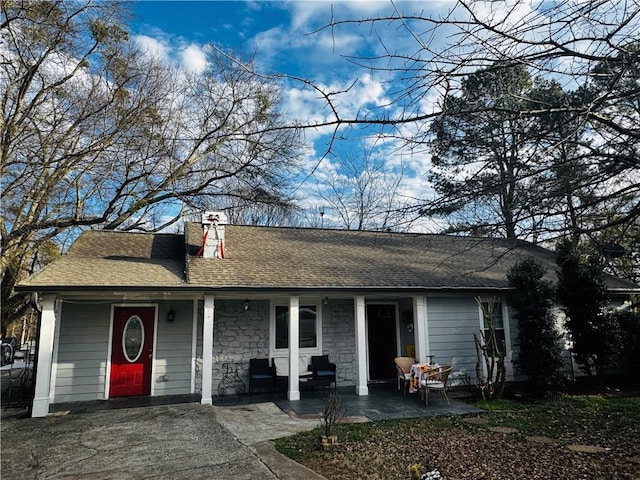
{"x":213,"y":238}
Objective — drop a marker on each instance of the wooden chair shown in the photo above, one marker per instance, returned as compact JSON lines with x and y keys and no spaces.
{"x":260,"y":374}
{"x":403,"y":367}
{"x":435,"y":380}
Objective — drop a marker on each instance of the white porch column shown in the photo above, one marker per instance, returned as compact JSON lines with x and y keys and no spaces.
{"x":294,"y":348}
{"x":207,"y":350}
{"x":361,"y":347}
{"x":45,"y":357}
{"x":421,"y":330}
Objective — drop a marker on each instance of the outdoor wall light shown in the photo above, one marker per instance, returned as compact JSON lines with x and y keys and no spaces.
{"x":246,"y":305}
{"x":325,"y":301}
{"x":171,"y":316}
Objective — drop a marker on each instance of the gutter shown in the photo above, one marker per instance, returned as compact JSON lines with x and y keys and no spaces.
{"x":191,"y":289}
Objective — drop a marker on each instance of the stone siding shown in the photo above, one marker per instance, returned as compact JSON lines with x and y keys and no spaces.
{"x":238,"y":337}
{"x":338,"y":338}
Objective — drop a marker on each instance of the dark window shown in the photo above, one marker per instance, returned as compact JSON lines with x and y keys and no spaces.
{"x":308,"y":327}
{"x":495,"y":310}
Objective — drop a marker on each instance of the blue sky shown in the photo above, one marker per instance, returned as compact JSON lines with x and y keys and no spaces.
{"x":234,"y":23}
{"x":280,"y":32}
{"x":287,"y":37}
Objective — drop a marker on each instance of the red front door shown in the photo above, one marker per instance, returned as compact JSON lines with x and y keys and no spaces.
{"x":132,"y":351}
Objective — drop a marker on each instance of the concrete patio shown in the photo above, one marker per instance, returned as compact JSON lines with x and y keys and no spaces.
{"x":382,"y":403}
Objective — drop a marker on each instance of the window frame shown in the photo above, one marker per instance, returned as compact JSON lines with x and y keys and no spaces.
{"x":284,"y":352}
{"x":504,"y":312}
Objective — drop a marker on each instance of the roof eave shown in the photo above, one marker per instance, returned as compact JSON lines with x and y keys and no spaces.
{"x":103,"y":288}
{"x":624,"y":291}
{"x":248,"y":289}
{"x":187,"y":288}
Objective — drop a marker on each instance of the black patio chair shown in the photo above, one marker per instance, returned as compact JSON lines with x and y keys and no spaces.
{"x":260,"y":374}
{"x":324,"y":372}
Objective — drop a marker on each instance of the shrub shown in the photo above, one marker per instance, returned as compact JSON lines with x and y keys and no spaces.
{"x":583,"y":295}
{"x":539,"y":349}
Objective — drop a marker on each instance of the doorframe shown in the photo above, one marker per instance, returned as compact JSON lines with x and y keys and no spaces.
{"x":396,"y":307}
{"x":107,"y":385}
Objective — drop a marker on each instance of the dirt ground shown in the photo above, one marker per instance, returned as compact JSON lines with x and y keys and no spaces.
{"x":482,"y":454}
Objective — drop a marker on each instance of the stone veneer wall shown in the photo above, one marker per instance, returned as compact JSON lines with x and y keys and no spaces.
{"x":338,"y":338}
{"x":238,"y":336}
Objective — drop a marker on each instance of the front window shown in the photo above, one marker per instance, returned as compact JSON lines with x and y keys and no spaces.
{"x":493,"y":310}
{"x":308,"y":334}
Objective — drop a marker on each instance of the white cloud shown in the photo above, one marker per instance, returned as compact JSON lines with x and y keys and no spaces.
{"x":271,"y":41}
{"x":372,"y":91}
{"x":320,"y":12}
{"x":194,"y":59}
{"x":153,"y":47}
{"x":189,"y":56}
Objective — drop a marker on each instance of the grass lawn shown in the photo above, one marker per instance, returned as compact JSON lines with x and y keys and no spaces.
{"x":570,"y":437}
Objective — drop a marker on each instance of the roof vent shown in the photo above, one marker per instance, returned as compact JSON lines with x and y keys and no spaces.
{"x":213,"y":238}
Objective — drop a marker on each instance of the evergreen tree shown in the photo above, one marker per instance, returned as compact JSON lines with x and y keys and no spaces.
{"x":539,"y":349}
{"x":481,"y":155}
{"x":628,"y":320}
{"x":583,"y":295}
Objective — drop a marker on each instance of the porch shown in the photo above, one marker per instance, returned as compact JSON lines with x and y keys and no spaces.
{"x":384,"y":402}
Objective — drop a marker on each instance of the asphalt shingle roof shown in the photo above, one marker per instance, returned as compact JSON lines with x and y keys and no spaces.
{"x":295,"y":258}
{"x":116,"y":259}
{"x":279,"y":257}
{"x":292,"y":257}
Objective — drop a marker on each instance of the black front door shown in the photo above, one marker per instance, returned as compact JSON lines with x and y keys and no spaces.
{"x":381,"y":330}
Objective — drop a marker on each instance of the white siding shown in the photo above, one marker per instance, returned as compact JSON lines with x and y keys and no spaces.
{"x":172,"y":373}
{"x":198,"y":359}
{"x":452,"y":323}
{"x":82,"y":352}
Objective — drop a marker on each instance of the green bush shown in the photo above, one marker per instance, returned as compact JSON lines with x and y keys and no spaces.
{"x":539,"y":355}
{"x":628,"y":324}
{"x":584,"y":297}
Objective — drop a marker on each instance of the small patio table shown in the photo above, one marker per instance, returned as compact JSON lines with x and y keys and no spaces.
{"x":417,"y":369}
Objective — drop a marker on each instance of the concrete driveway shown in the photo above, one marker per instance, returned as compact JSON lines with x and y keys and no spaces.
{"x":184,"y":441}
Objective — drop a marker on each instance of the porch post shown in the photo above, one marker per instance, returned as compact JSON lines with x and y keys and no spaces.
{"x":361,"y":347}
{"x":294,"y":348}
{"x":207,"y":350}
{"x":421,"y":330}
{"x":40,"y":406}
